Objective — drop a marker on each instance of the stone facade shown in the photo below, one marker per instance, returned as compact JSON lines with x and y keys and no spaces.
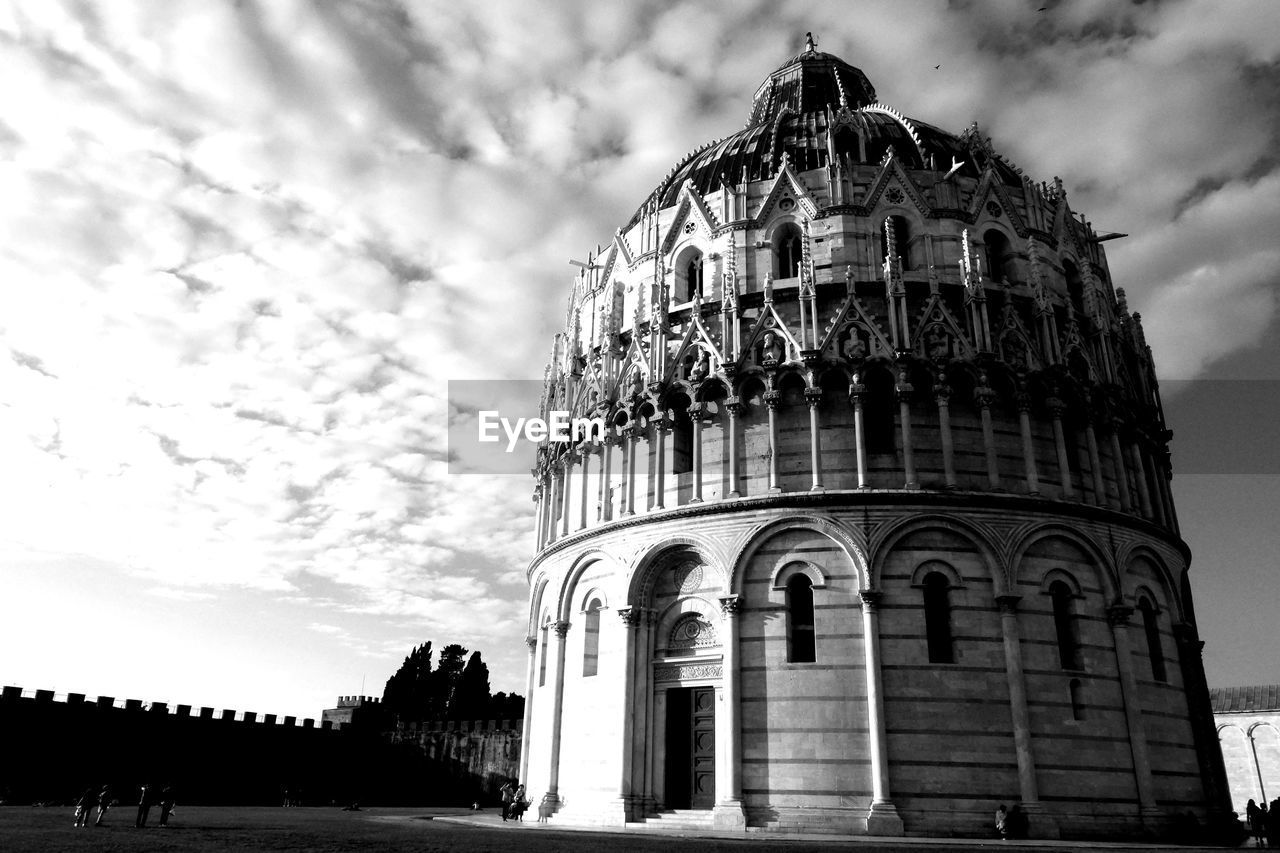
{"x":1248,"y":720}
{"x":881,"y":533}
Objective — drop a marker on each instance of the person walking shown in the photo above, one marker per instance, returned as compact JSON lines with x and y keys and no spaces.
{"x":84,"y":805}
{"x":166,"y":804}
{"x":144,"y":807}
{"x":1002,"y":822}
{"x":104,"y":804}
{"x":508,"y":794}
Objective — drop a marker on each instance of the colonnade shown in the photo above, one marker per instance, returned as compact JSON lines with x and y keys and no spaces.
{"x":580,"y":490}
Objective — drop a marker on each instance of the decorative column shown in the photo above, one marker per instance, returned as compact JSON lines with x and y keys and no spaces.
{"x":552,"y":797}
{"x":540,"y":501}
{"x":942,"y":396}
{"x":1027,"y":787}
{"x":857,"y":391}
{"x":566,"y":493}
{"x":883,"y":818}
{"x":1118,"y":617}
{"x":557,"y":488}
{"x":1117,"y":460}
{"x":1028,"y":446}
{"x":630,"y":621}
{"x":695,"y":414}
{"x":629,"y":470}
{"x":728,"y":809}
{"x":734,"y":407}
{"x":772,"y":399}
{"x":606,"y":475}
{"x":1095,"y":463}
{"x":526,"y":736}
{"x":814,"y":398}
{"x":1140,"y":475}
{"x":660,"y":462}
{"x":985,"y":396}
{"x":903,"y":391}
{"x":1056,"y":410}
{"x":585,"y":477}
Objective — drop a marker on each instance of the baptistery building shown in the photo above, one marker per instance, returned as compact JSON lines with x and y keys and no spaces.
{"x":879,"y":535}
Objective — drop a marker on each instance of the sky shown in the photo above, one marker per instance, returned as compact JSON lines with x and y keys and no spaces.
{"x":244,"y":246}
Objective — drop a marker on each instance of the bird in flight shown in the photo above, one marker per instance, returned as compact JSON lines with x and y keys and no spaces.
{"x":936,"y":67}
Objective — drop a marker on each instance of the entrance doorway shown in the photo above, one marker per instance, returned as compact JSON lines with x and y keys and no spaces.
{"x":691,"y":748}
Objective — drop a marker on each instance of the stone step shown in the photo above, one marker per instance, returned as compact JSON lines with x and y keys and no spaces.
{"x":693,"y":819}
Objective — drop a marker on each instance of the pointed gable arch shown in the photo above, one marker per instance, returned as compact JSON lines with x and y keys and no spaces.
{"x":991,"y":188}
{"x":892,"y":174}
{"x":690,"y":208}
{"x":786,"y":184}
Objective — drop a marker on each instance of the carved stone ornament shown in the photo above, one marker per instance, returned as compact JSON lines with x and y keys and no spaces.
{"x":787,"y":204}
{"x":690,"y":227}
{"x":894,"y":195}
{"x":994,"y":208}
{"x":687,"y":671}
{"x":692,"y":631}
{"x":687,"y":577}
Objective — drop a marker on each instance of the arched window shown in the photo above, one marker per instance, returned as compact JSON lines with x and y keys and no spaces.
{"x":1076,"y":689}
{"x":937,"y":617}
{"x":801,"y":644}
{"x":1064,"y":623}
{"x":1151,"y":623}
{"x":787,"y":251}
{"x":689,"y":277}
{"x":999,"y":256}
{"x":1075,"y":288}
{"x":692,"y":278}
{"x":591,"y":639}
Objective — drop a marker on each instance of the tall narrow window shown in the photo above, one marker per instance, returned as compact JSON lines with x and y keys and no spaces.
{"x":901,"y":240}
{"x":788,"y":252}
{"x":801,"y":646}
{"x":692,"y":279}
{"x":1151,"y":624}
{"x":878,"y":410}
{"x":1064,"y":623}
{"x":591,"y":640}
{"x":1077,"y":699}
{"x":1075,"y":288}
{"x":937,"y":618}
{"x":542,"y":658}
{"x":681,"y":435}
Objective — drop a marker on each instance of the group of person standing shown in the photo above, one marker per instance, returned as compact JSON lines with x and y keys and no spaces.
{"x":1264,"y":822}
{"x":105,"y":799}
{"x":513,"y":800}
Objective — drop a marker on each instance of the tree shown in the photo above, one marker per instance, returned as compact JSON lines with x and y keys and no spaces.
{"x":408,"y":693}
{"x":471,"y":698}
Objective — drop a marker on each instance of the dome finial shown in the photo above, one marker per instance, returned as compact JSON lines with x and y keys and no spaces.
{"x":810,"y":44}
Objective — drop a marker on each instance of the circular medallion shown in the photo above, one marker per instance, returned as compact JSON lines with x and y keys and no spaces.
{"x":689,"y":227}
{"x":787,"y":204}
{"x":687,"y":577}
{"x":994,"y":209}
{"x":894,"y":195}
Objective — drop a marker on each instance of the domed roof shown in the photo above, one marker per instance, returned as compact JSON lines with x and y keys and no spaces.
{"x":809,"y":98}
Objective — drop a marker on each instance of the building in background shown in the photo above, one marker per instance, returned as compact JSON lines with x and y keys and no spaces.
{"x":348,"y":710}
{"x":1247,"y":719}
{"x":882,"y":534}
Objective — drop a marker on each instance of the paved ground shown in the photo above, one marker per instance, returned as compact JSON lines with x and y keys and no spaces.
{"x":315,"y":830}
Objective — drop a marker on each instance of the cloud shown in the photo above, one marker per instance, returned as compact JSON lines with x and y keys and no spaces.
{"x":247,"y":244}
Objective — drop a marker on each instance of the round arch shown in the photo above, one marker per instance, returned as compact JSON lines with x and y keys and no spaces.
{"x":564,"y":602}
{"x":750,"y":542}
{"x":1130,"y":553}
{"x":1105,"y":568}
{"x":885,"y":540}
{"x":651,"y":559}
